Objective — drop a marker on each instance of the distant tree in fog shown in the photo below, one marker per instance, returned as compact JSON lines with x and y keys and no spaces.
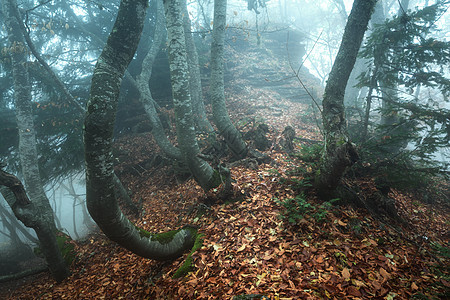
{"x":36,"y":213}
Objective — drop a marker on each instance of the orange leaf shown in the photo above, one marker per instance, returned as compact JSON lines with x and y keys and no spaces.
{"x":414,"y":286}
{"x":346,"y":274}
{"x":241,"y":248}
{"x":342,"y":223}
{"x":385,"y":274}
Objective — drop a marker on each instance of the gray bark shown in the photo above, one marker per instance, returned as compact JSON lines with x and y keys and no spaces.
{"x":146,"y":97}
{"x":27,"y":212}
{"x":220,"y":113}
{"x":101,"y":201}
{"x":38,"y":214}
{"x":19,"y":226}
{"x":195,"y":84}
{"x":69,"y":97}
{"x":203,"y":173}
{"x":339,"y":153}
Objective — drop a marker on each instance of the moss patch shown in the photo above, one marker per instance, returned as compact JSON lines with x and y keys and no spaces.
{"x":164,"y":237}
{"x":66,"y":246}
{"x":187,"y":265}
{"x":143,"y":232}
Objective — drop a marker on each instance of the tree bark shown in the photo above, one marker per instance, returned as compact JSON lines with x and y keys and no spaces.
{"x":339,"y":153}
{"x":146,"y":97}
{"x":195,"y":83}
{"x":101,"y":201}
{"x":28,"y":214}
{"x":203,"y":173}
{"x":38,"y":214}
{"x":222,"y":120}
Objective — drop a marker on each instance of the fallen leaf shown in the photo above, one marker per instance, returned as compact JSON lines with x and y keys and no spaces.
{"x":385,"y":274}
{"x":241,"y":248}
{"x":346,"y":274}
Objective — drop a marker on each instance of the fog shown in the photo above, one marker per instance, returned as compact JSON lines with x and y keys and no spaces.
{"x":68,"y":202}
{"x":319,"y":23}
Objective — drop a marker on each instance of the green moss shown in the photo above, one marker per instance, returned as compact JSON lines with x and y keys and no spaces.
{"x":143,"y":232}
{"x":67,"y":248}
{"x":164,"y":237}
{"x":188,"y":266}
{"x":215,"y":180}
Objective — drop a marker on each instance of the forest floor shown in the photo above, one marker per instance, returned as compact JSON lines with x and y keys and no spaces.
{"x":331,"y":253}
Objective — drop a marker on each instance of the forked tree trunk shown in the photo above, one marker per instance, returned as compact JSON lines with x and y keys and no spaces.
{"x":339,"y":153}
{"x":203,"y":173}
{"x":99,"y":123}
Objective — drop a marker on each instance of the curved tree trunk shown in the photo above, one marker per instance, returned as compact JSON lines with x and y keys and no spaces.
{"x":195,"y":83}
{"x":146,"y":97}
{"x":203,"y":173}
{"x":69,"y":98}
{"x":220,"y":113}
{"x":98,"y":132}
{"x":29,"y":214}
{"x":38,"y":214}
{"x":339,"y":152}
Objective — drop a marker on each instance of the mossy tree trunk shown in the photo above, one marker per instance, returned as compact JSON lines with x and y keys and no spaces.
{"x":101,"y":201}
{"x":222,"y":120}
{"x":339,"y":153}
{"x":37,"y":213}
{"x":203,"y":173}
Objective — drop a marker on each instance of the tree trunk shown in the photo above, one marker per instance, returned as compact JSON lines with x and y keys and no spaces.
{"x":28,"y":213}
{"x":146,"y":97}
{"x":19,"y":226}
{"x":195,"y":83}
{"x":339,"y":153}
{"x":203,"y":173}
{"x":220,"y":113}
{"x":389,"y":90}
{"x":39,"y":214}
{"x":99,"y":123}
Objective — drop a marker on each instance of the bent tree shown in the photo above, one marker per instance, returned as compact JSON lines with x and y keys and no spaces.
{"x":222,"y":120}
{"x":98,"y":132}
{"x":36,"y":211}
{"x":203,"y":173}
{"x":339,"y":153}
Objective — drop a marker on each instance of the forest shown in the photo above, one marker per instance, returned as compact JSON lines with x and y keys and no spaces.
{"x":214,"y":149}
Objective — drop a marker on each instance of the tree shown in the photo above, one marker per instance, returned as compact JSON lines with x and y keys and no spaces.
{"x":36,"y":213}
{"x":339,"y":153}
{"x":222,"y":120}
{"x":195,"y":84}
{"x":203,"y":173}
{"x":408,"y":57}
{"x":99,"y":123}
{"x":146,"y":97}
